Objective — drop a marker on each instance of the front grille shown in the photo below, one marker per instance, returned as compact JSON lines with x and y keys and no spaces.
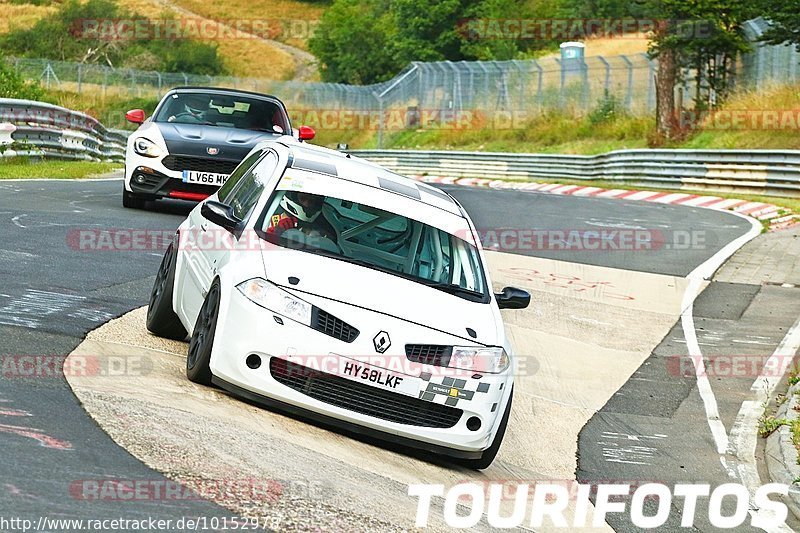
{"x":429,"y":354}
{"x":361,"y":398}
{"x":202,"y":164}
{"x":332,"y":326}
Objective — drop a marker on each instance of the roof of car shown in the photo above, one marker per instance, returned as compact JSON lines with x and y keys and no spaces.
{"x":345,"y":166}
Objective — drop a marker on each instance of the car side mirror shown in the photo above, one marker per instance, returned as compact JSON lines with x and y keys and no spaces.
{"x":135,"y":115}
{"x":513,"y":298}
{"x":220,"y":214}
{"x":306,"y":133}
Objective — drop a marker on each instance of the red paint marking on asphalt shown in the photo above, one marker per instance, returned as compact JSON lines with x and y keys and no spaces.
{"x":44,"y":440}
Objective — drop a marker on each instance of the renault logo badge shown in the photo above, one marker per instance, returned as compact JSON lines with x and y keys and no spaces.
{"x":381,"y":342}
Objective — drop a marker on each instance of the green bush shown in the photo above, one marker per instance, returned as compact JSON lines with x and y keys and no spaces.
{"x":608,"y":109}
{"x":13,"y":86}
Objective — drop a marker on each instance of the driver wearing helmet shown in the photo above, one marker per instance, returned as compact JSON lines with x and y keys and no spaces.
{"x":195,"y":107}
{"x":302,"y":211}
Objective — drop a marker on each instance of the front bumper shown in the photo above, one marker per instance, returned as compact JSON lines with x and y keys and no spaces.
{"x":149,"y":177}
{"x":148,"y":182}
{"x":431,"y":411}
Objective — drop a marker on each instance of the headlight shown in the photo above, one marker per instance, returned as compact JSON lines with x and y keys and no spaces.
{"x":269,"y":296}
{"x":146,"y":148}
{"x":492,"y":360}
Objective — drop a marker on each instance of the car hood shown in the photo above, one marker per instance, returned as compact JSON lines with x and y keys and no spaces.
{"x":196,"y":139}
{"x":382,"y":293}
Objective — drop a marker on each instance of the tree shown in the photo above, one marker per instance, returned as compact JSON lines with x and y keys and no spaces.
{"x":785,"y":19}
{"x":703,"y":38}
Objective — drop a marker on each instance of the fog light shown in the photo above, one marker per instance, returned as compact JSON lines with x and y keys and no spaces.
{"x":474,"y":423}
{"x":140,"y":179}
{"x":253,"y":361}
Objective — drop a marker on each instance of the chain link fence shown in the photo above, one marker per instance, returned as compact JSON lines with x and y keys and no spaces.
{"x":520,"y":88}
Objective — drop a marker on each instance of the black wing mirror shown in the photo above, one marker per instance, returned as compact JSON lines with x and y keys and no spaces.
{"x":220,"y":214}
{"x":513,"y":298}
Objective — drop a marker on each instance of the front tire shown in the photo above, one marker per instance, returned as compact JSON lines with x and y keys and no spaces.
{"x":131,"y":201}
{"x":161,"y":318}
{"x":491,"y":452}
{"x":198,"y":360}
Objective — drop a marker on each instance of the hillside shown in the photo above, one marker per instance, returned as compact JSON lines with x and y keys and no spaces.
{"x":283,"y":57}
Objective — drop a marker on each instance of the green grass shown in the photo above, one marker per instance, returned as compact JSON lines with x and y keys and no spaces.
{"x":29,"y":168}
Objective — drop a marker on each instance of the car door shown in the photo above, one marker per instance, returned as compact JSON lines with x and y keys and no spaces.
{"x":199,"y":244}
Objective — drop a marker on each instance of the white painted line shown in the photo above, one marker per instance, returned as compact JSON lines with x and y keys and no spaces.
{"x":696,"y":278}
{"x":744,"y":439}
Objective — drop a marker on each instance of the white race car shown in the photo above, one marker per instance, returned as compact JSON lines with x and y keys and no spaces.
{"x":335,"y":289}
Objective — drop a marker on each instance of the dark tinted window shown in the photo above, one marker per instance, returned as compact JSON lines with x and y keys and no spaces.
{"x":224,"y":110}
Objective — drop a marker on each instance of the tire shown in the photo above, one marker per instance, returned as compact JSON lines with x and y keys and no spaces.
{"x":161,"y":319}
{"x":131,"y":201}
{"x":198,"y":359}
{"x":491,"y":452}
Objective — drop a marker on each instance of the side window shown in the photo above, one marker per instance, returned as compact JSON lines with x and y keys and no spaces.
{"x":237,"y":174}
{"x":245,"y":196}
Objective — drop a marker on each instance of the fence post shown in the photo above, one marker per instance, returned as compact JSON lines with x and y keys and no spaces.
{"x":539,"y":82}
{"x":80,"y":77}
{"x":651,"y":73}
{"x":629,"y":95}
{"x":607,"y":80}
{"x":380,"y":122}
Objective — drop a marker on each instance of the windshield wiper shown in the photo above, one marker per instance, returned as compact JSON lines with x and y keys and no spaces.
{"x":453,"y":289}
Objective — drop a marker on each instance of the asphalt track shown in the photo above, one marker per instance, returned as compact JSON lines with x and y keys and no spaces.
{"x":53,"y":293}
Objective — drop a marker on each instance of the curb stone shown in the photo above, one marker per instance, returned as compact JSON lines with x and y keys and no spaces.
{"x":776,"y":217}
{"x":781,"y":454}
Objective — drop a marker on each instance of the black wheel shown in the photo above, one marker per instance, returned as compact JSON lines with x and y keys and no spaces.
{"x":131,"y":201}
{"x":161,"y":319}
{"x":491,"y":452}
{"x":199,"y":358}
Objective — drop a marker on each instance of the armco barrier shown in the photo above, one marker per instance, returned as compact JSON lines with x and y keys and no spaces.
{"x":37,"y":129}
{"x":763,"y":172}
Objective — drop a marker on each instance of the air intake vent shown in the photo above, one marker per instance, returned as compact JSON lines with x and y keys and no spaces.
{"x":429,"y":354}
{"x":362,"y":398}
{"x":332,"y":326}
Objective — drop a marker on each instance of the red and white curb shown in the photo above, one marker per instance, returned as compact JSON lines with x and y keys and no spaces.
{"x":778,"y":217}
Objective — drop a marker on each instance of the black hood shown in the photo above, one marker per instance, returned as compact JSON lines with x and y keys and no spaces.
{"x":232,"y":144}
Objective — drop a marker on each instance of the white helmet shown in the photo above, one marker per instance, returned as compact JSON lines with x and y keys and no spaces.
{"x":290,"y":203}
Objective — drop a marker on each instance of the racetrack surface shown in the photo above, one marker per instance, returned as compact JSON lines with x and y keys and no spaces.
{"x":54,"y":293}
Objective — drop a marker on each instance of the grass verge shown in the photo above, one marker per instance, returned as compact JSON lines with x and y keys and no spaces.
{"x":31,"y":168}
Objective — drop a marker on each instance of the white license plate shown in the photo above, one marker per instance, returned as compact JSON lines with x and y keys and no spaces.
{"x":379,"y":377}
{"x":204,"y":178}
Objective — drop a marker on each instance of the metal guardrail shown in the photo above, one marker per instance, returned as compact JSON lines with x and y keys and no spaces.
{"x":37,"y":129}
{"x":762,"y":172}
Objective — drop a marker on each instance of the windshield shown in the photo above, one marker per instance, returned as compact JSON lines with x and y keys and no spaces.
{"x":228,"y":111}
{"x":375,"y":238}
